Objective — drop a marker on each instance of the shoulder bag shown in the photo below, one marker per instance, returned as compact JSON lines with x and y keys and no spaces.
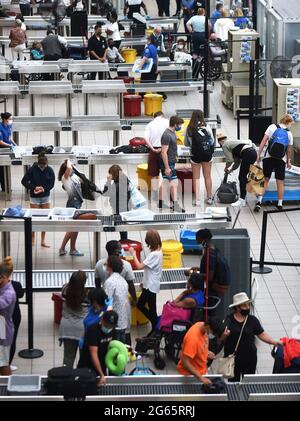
{"x":227,"y":364}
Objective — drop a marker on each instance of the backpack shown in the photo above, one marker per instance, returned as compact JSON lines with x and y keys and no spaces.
{"x":71,"y":382}
{"x":202,"y":146}
{"x":222,"y":273}
{"x":88,"y":188}
{"x":278,"y":143}
{"x":227,"y":192}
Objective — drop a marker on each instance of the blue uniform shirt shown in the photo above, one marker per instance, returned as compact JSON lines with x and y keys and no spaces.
{"x":5,"y":134}
{"x":151,"y":52}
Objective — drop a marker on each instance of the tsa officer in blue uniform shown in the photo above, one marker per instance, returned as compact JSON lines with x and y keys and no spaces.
{"x":5,"y":139}
{"x":150,"y":51}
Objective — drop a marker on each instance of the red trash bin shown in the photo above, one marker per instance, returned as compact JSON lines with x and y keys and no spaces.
{"x":126,"y":244}
{"x":58,"y":306}
{"x":184,"y":174}
{"x":132,"y":105}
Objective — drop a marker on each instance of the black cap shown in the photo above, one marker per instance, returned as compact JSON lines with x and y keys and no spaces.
{"x":110,"y":317}
{"x":99,"y":24}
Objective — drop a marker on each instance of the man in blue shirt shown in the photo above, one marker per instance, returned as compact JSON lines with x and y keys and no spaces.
{"x":150,"y":52}
{"x":5,"y":139}
{"x":216,"y":15}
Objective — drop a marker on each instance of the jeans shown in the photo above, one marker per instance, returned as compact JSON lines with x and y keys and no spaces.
{"x":70,"y":351}
{"x":248,"y":156}
{"x":198,"y":39}
{"x":148,"y":297}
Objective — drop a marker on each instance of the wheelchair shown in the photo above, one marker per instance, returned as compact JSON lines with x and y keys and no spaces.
{"x":171,"y":341}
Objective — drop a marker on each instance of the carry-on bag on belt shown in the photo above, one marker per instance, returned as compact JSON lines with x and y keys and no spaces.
{"x":278,"y":143}
{"x":71,"y":382}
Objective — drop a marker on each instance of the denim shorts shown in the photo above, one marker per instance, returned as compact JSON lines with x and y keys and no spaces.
{"x":40,"y":200}
{"x":74,"y":203}
{"x":173,"y":175}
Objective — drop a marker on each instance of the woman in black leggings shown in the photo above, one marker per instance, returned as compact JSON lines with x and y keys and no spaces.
{"x":239,"y":153}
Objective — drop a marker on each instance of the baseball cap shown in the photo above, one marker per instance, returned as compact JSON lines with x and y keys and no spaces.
{"x":110,"y":317}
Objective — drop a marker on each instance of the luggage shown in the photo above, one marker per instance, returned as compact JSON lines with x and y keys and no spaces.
{"x":255,"y":183}
{"x":227,"y":192}
{"x":88,"y":188}
{"x":170,"y":313}
{"x":278,"y":367}
{"x":71,"y":382}
{"x":202,"y":148}
{"x":36,"y":150}
{"x":137,"y":141}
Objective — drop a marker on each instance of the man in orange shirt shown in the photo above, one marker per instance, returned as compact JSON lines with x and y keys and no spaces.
{"x":195,"y":353}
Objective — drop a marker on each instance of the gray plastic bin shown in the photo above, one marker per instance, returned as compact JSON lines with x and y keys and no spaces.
{"x":24,"y":385}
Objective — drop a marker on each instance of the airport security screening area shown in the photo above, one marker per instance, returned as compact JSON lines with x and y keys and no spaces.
{"x":150,"y":188}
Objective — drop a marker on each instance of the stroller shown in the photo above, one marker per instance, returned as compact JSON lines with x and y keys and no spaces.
{"x":278,"y":368}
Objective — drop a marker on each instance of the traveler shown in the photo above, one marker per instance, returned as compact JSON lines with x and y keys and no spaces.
{"x":241,"y":22}
{"x":163,"y":7}
{"x":98,"y":303}
{"x":25,"y":7}
{"x":54,"y":46}
{"x":72,"y":185}
{"x":39,"y":180}
{"x":112,"y":28}
{"x":195,"y":354}
{"x":134,"y":6}
{"x":75,"y":308}
{"x":279,"y":141}
{"x":18,"y":41}
{"x":117,"y":188}
{"x":246,"y":354}
{"x":16,"y":317}
{"x":7,"y":306}
{"x":153,"y":133}
{"x":97,"y":47}
{"x":152,"y":267}
{"x":6,"y":140}
{"x":114,"y":248}
{"x":96,"y":341}
{"x":116,"y":289}
{"x":113,"y":55}
{"x":159,"y":40}
{"x":239,"y":153}
{"x":168,"y":159}
{"x":223,"y":25}
{"x":36,"y":51}
{"x":188,"y":10}
{"x":193,"y":296}
{"x":200,"y":138}
{"x":196,"y":26}
{"x":216,"y":15}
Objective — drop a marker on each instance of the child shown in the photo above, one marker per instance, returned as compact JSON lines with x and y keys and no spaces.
{"x":37,"y":51}
{"x":113,"y":55}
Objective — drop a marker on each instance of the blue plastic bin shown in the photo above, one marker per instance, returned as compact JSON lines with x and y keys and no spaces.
{"x":188,"y":240}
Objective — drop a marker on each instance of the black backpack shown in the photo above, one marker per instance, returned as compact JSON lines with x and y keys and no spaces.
{"x":222,"y":273}
{"x":71,"y":382}
{"x":202,"y":146}
{"x":36,"y":150}
{"x":88,"y":188}
{"x":227,"y":192}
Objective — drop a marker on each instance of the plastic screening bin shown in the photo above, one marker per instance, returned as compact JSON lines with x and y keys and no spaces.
{"x":62,"y":214}
{"x":24,"y":384}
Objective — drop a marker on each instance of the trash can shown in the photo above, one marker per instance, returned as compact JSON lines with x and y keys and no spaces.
{"x":188,"y":241}
{"x":137,"y":246}
{"x":132,"y":105}
{"x":144,"y":180}
{"x":185,"y":176}
{"x":172,"y":251}
{"x":58,"y":306}
{"x":152,"y":104}
{"x":137,"y":318}
{"x":129,"y":55}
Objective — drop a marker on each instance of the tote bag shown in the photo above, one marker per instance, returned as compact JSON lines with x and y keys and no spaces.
{"x":255,"y":183}
{"x":171,"y":313}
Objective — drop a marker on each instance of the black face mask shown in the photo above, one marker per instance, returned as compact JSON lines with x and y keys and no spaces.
{"x":245,"y":312}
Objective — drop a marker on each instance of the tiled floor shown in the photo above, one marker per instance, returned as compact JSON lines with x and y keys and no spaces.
{"x":278,"y":299}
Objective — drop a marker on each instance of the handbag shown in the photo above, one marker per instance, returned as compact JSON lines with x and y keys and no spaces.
{"x":137,"y":200}
{"x":170,"y":313}
{"x":227,"y":364}
{"x":255,"y":180}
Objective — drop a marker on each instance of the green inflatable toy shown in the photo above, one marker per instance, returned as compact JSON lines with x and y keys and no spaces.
{"x":116,"y":357}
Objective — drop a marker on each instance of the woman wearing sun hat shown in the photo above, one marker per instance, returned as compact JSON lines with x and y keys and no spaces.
{"x":246,"y":354}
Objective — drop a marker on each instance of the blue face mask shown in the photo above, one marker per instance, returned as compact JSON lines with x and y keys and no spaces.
{"x":106,"y":330}
{"x":121,"y":252}
{"x":177,"y":129}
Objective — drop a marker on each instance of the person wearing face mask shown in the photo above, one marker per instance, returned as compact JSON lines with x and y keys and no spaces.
{"x":195,"y":354}
{"x":95,"y":347}
{"x":113,"y":55}
{"x":168,"y":160}
{"x":279,"y":141}
{"x":246,"y":354}
{"x":39,"y":180}
{"x":6,"y":140}
{"x":114,"y":248}
{"x":152,"y":267}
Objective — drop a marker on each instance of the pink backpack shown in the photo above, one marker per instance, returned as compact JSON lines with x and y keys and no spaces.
{"x":170,"y":313}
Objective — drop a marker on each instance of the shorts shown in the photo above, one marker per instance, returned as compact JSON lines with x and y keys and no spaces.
{"x":4,"y":355}
{"x":40,"y":200}
{"x":74,"y":203}
{"x":153,"y":164}
{"x":271,"y":165}
{"x":173,"y":175}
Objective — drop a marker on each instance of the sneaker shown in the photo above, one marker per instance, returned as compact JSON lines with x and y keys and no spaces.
{"x":62,"y":252}
{"x":209,"y":201}
{"x":257,"y":207}
{"x":13,"y":367}
{"x":177,"y":208}
{"x":239,"y":203}
{"x":279,"y":207}
{"x":76,"y":253}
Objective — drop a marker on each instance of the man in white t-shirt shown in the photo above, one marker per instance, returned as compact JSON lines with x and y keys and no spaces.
{"x":116,"y":289}
{"x":153,"y":133}
{"x":277,"y":156}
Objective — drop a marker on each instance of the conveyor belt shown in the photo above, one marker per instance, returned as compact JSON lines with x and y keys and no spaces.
{"x":54,"y":280}
{"x":271,"y":388}
{"x":151,"y":389}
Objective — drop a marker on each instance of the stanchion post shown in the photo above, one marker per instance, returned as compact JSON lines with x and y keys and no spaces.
{"x":261,"y":268}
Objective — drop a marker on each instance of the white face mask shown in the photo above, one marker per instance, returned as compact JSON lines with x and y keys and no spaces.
{"x":10,"y":121}
{"x":180,"y":46}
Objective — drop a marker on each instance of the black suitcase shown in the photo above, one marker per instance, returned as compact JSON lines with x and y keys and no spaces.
{"x":71,"y":382}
